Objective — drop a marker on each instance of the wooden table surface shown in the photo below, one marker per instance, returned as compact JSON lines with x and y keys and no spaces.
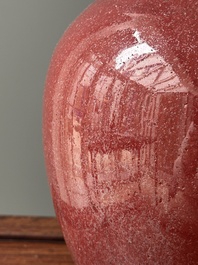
{"x":32,"y":241}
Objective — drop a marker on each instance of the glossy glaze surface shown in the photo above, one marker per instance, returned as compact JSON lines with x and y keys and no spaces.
{"x":121,"y":133}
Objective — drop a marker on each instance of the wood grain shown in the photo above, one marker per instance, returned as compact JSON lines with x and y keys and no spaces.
{"x":32,"y":241}
{"x":30,"y":227}
{"x":34,"y":253}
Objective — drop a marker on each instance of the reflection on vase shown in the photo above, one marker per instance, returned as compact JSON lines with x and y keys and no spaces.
{"x":125,"y":143}
{"x":102,"y":99}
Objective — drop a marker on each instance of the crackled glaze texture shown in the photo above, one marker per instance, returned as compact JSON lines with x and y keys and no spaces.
{"x":121,"y":133}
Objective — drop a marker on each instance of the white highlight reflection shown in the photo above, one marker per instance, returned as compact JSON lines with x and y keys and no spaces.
{"x":139,"y":49}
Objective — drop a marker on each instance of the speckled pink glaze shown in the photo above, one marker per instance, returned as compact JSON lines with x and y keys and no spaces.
{"x":120,"y":132}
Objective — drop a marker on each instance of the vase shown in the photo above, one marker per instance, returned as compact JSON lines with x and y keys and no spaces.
{"x":120,"y":133}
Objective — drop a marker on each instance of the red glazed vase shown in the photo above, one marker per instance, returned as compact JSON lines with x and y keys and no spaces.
{"x":120,"y":130}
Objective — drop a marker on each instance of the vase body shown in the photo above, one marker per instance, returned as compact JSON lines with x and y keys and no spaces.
{"x":120,"y":130}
